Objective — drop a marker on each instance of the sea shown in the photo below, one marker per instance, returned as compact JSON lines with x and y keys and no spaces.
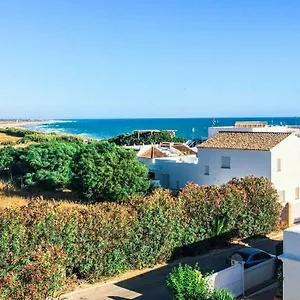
{"x":189,"y":128}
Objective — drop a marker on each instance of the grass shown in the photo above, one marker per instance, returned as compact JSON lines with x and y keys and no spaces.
{"x":8,"y":138}
{"x":4,"y":138}
{"x":10,"y":197}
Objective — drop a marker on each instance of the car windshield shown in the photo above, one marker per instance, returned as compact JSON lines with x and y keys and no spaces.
{"x":244,"y":255}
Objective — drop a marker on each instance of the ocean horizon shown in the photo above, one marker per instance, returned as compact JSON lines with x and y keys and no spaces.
{"x":189,"y":128}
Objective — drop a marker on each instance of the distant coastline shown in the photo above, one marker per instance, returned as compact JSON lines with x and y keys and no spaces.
{"x":189,"y":128}
{"x":23,"y":123}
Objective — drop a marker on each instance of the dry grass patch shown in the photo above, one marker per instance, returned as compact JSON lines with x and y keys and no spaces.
{"x":12,"y":201}
{"x":8,"y":138}
{"x":11,"y":197}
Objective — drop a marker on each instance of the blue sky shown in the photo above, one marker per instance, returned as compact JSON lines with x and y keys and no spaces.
{"x":115,"y":58}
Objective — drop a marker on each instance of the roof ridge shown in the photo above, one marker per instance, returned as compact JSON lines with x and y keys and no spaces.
{"x":253,"y":132}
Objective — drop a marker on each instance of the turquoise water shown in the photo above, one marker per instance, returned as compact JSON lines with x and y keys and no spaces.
{"x":188,"y":128}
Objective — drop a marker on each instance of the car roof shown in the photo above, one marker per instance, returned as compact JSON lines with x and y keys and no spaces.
{"x":249,"y":251}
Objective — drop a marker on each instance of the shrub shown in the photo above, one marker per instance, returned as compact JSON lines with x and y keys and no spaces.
{"x":106,"y":172}
{"x":157,"y":231}
{"x":105,"y":239}
{"x":146,"y":138}
{"x":98,"y":171}
{"x":187,"y":283}
{"x":48,"y":165}
{"x":260,"y":210}
{"x":38,"y":275}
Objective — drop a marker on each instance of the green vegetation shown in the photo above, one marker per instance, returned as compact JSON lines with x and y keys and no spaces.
{"x":187,"y":283}
{"x":99,"y":171}
{"x":146,"y":138}
{"x":106,"y":172}
{"x":96,"y":241}
{"x":27,"y":136}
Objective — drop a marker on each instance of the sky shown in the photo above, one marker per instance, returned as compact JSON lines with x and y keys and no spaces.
{"x":148,"y":58}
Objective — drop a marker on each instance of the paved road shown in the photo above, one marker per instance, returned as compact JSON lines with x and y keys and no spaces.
{"x":151,"y":285}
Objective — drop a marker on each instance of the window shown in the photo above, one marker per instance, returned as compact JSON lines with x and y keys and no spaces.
{"x":265,"y":255}
{"x":278,"y":165}
{"x":206,"y":170}
{"x":256,"y":257}
{"x":281,"y":196}
{"x":297,"y":193}
{"x":225,"y":163}
{"x":151,"y":175}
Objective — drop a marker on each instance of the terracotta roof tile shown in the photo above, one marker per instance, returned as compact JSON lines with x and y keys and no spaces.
{"x":244,"y":140}
{"x":185,"y":150}
{"x":153,"y":152}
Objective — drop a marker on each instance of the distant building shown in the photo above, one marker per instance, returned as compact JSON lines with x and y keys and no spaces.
{"x":253,"y":126}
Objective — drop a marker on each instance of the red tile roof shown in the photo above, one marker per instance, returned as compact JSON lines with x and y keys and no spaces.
{"x":185,"y":150}
{"x":153,"y":152}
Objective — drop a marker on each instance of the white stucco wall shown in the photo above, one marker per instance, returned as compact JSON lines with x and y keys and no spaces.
{"x":243,"y":163}
{"x":291,"y":263}
{"x":288,"y":151}
{"x":146,"y":161}
{"x":180,"y":173}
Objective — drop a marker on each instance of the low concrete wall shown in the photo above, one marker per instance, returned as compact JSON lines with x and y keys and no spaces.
{"x":230,"y":279}
{"x":260,"y":273}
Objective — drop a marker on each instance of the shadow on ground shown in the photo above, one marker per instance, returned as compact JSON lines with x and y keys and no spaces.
{"x":151,"y":285}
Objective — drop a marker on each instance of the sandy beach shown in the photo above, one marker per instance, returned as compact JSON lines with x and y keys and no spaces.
{"x":21,"y":123}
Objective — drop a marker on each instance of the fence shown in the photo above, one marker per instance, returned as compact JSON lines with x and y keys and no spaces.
{"x":237,"y":280}
{"x":231,"y":279}
{"x":260,"y":273}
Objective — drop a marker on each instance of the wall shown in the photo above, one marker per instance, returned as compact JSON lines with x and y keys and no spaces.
{"x":289,"y":176}
{"x":243,"y":163}
{"x":146,"y":161}
{"x":291,"y":263}
{"x":260,"y":273}
{"x":230,"y":279}
{"x":178,"y":173}
{"x":214,"y":130}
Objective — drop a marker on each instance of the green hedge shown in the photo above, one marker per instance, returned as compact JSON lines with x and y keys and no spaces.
{"x":109,"y":238}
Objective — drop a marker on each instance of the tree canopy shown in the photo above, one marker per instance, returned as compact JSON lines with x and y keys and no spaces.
{"x":146,"y":138}
{"x":99,"y":171}
{"x":106,"y":172}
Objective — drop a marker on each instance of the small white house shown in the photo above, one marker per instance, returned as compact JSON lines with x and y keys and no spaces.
{"x":238,"y":154}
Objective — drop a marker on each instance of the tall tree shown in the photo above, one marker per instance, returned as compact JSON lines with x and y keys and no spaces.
{"x":106,"y":172}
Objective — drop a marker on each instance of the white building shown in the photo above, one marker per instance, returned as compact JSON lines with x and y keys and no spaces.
{"x":253,"y":126}
{"x":291,"y":263}
{"x":238,"y":154}
{"x":148,"y":154}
